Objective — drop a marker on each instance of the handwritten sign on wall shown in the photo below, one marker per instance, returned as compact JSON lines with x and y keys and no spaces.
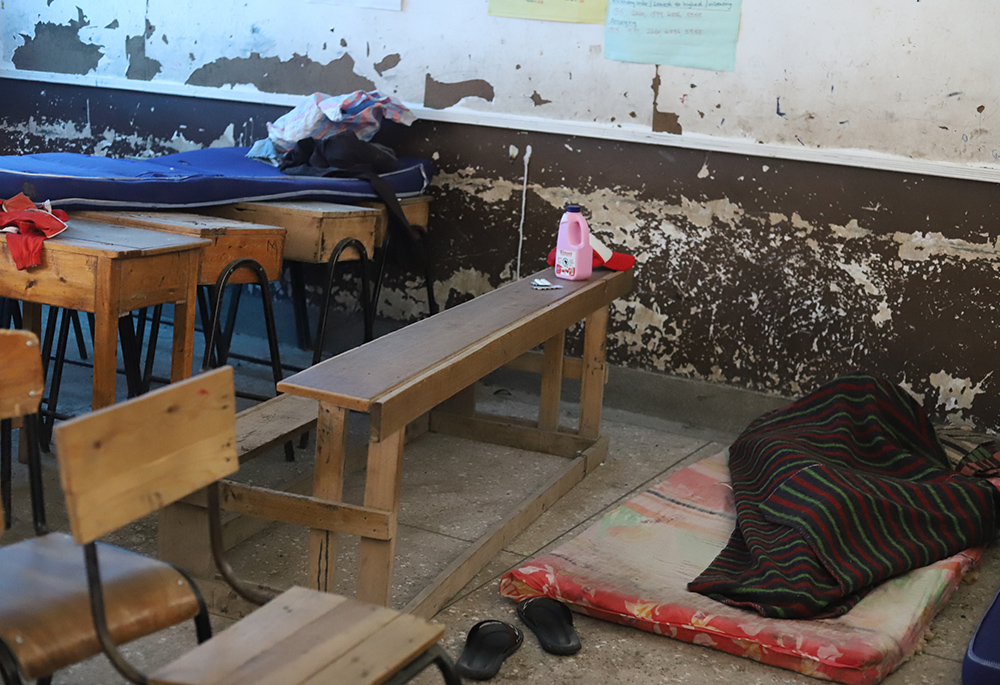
{"x":683,"y":33}
{"x":579,"y":11}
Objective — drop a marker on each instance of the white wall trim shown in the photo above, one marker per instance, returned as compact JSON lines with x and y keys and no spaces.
{"x":623,"y":132}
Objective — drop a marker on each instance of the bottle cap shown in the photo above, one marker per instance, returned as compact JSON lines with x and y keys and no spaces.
{"x":573,"y":208}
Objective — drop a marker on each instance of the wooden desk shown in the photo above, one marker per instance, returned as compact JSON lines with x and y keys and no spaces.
{"x":314,"y":228}
{"x":111,"y":271}
{"x":434,"y":363}
{"x":229,"y":239}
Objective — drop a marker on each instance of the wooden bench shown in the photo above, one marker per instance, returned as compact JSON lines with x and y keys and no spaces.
{"x":429,"y":369}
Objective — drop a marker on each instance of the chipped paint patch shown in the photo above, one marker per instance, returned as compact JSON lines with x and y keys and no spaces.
{"x":58,"y":49}
{"x":140,"y":67}
{"x":667,"y":122}
{"x":103,"y":141}
{"x":861,"y":276}
{"x":388,"y":62}
{"x":883,"y":315}
{"x":851,"y":231}
{"x":299,"y":75}
{"x":538,"y":100}
{"x":908,"y":387}
{"x":955,"y":393}
{"x":919,"y":246}
{"x":439,"y":95}
{"x":486,"y":189}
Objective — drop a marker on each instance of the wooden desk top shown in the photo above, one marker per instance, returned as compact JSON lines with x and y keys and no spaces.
{"x":116,"y":242}
{"x":399,"y":376}
{"x":197,"y":225}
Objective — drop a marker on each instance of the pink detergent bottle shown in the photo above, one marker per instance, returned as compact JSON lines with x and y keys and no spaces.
{"x":574,"y":256}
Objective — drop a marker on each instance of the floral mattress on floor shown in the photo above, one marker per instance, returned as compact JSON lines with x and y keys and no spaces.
{"x":633,"y":566}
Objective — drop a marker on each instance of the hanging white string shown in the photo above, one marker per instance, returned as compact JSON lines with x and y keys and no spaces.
{"x":524,"y":196}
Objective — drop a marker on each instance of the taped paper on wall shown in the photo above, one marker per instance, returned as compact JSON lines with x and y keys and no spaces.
{"x":579,"y":11}
{"x":700,"y":34}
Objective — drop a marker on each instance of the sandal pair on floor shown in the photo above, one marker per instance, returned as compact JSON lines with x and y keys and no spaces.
{"x":490,"y":642}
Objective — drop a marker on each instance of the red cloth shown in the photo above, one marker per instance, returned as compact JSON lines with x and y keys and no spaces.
{"x":618,"y":261}
{"x":33,"y":226}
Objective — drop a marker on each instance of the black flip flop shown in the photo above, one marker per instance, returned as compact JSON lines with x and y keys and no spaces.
{"x":552,"y":624}
{"x":487,"y":645}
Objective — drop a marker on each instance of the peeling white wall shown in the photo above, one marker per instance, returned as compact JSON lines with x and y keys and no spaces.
{"x":448,"y":40}
{"x":915,"y":79}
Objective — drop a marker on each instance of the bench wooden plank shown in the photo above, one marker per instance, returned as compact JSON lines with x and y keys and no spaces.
{"x":299,"y":509}
{"x":305,"y":637}
{"x":508,"y":431}
{"x":273,"y":422}
{"x":398,"y":377}
{"x":572,"y":367}
{"x":385,"y":653}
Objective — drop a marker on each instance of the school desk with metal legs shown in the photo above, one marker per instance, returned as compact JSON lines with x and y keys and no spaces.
{"x":110,"y":271}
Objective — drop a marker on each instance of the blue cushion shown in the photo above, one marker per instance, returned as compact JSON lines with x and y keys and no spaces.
{"x":198,"y":178}
{"x":982,"y":659}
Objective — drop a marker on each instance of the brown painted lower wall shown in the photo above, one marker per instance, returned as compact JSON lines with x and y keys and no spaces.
{"x":765,"y":274}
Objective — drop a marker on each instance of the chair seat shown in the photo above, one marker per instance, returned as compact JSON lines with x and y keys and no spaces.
{"x":306,"y":637}
{"x":45,"y":615}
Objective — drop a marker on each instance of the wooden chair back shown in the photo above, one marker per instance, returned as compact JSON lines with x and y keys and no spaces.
{"x":125,"y":461}
{"x":21,"y":381}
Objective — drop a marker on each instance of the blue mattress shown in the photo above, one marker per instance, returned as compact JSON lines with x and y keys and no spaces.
{"x":197,"y":178}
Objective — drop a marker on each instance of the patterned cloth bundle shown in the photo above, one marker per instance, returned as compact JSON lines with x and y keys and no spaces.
{"x":836,"y":493}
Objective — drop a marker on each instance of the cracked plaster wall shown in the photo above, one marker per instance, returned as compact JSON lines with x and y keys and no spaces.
{"x":770,"y":275}
{"x":492,"y":64}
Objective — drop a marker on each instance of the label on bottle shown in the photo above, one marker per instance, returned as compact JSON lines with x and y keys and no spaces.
{"x":565,"y":263}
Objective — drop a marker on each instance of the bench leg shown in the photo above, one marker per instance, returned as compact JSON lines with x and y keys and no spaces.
{"x":328,"y":484}
{"x":183,"y":539}
{"x":382,"y":485}
{"x":594,"y":373}
{"x":551,"y":393}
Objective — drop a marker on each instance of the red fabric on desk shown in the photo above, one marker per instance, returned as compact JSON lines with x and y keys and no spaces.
{"x":28,"y":226}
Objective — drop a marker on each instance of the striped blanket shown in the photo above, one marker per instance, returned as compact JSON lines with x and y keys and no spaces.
{"x":836,"y":493}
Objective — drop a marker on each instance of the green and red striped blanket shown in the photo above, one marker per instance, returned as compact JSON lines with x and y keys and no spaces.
{"x":836,"y":493}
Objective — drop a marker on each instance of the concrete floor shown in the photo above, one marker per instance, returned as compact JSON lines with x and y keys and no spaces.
{"x":454,"y":489}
